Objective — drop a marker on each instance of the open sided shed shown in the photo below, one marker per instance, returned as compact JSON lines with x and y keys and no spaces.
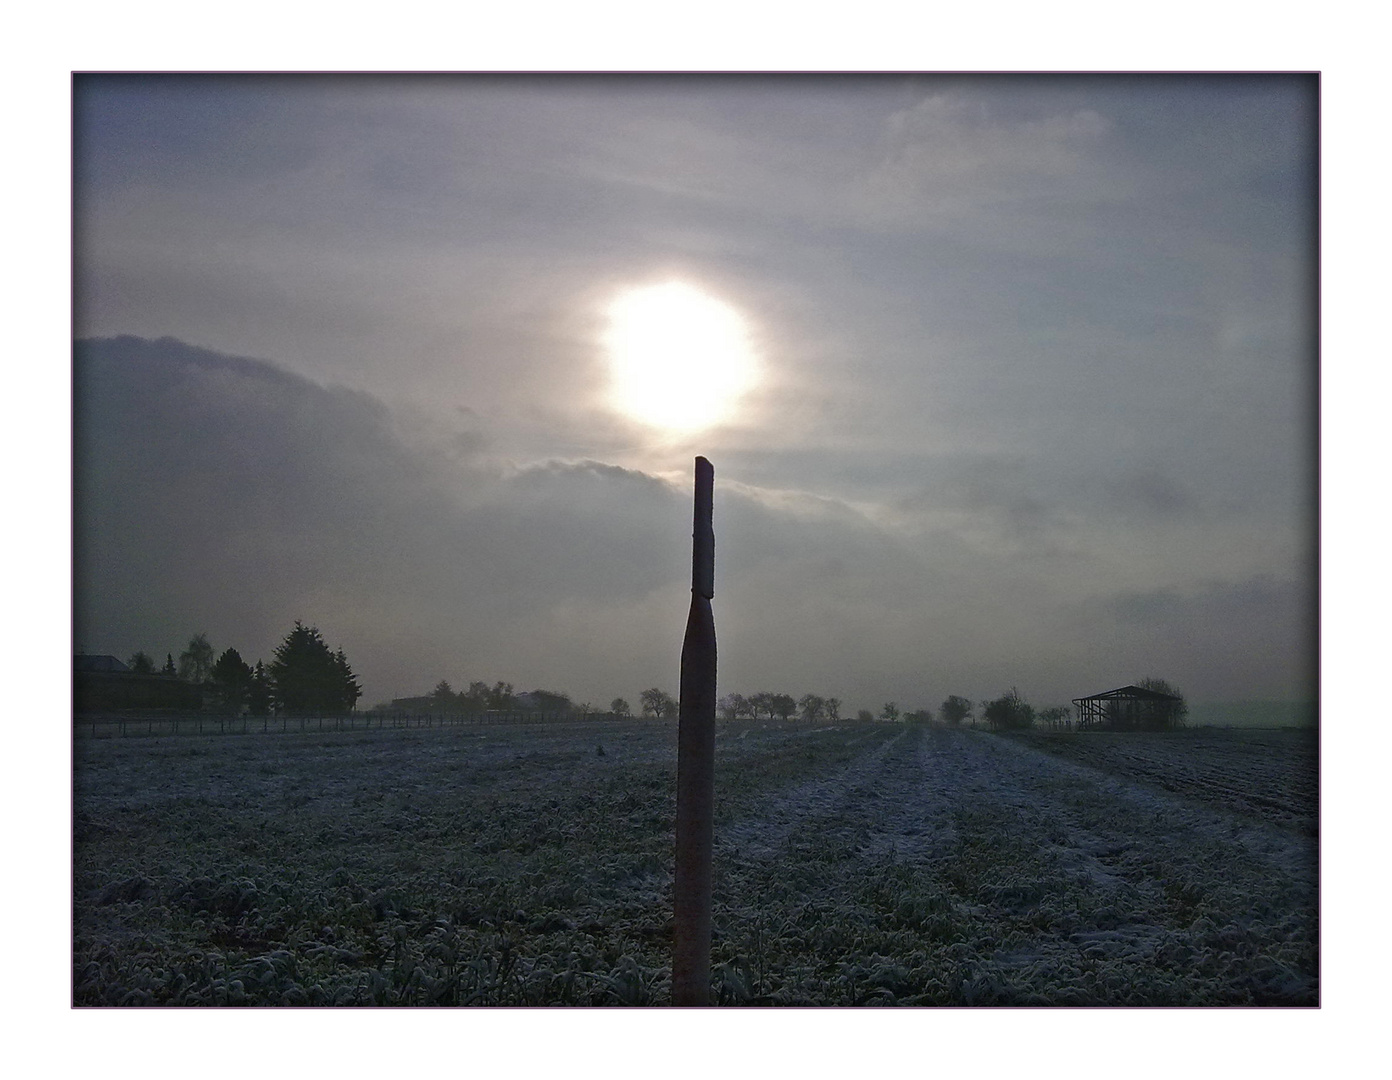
{"x":1129,"y":708}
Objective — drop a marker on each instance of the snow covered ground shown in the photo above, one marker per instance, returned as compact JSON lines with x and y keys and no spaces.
{"x":855,"y":864}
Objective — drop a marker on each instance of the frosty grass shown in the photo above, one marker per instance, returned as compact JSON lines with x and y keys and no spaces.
{"x":860,"y":864}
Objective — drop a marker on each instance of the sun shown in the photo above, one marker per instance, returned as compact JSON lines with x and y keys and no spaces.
{"x":679,"y":358}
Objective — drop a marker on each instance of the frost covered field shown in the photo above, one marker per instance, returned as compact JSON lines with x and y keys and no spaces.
{"x":857,"y":864}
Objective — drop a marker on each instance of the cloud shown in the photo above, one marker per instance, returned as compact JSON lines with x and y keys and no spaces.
{"x":228,"y":495}
{"x":950,"y":157}
{"x":1028,"y":344}
{"x":1259,"y":631}
{"x":1150,"y":493}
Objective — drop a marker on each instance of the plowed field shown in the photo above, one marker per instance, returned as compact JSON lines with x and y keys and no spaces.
{"x":857,"y":864}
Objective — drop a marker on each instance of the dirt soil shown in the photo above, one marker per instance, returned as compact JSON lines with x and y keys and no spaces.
{"x":856,"y":864}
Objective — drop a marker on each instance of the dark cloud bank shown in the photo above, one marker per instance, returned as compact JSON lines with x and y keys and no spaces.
{"x":229,"y":496}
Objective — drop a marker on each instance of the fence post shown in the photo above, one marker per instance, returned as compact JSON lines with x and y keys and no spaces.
{"x":691,"y":889}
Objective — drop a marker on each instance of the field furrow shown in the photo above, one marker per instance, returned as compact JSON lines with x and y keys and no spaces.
{"x":855,"y":864}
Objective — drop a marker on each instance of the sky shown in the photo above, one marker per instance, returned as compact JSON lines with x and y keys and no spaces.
{"x":1014,"y":378}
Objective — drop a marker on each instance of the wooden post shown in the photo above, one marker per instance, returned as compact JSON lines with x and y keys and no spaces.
{"x":691,"y":889}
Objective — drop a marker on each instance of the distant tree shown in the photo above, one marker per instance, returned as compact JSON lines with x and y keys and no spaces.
{"x":231,"y":678}
{"x":500,"y":697}
{"x":659,"y":703}
{"x":833,"y":709}
{"x":475,"y":699}
{"x":919,"y":716}
{"x":620,"y":708}
{"x":784,"y":705}
{"x":196,"y":662}
{"x":1056,"y":716}
{"x":811,"y":707}
{"x":890,"y":711}
{"x":169,"y":668}
{"x":141,"y":664}
{"x":726,"y":706}
{"x":864,"y":715}
{"x":552,"y":701}
{"x":1009,"y":712}
{"x":308,"y":679}
{"x":762,"y":702}
{"x":259,"y":695}
{"x":443,"y":698}
{"x":1160,"y":715}
{"x":348,"y":685}
{"x":954,"y":710}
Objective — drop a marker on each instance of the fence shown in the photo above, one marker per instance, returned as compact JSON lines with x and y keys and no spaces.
{"x":151,"y":724}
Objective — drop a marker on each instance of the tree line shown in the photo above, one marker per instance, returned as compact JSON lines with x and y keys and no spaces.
{"x":304,"y":677}
{"x":500,"y":697}
{"x":657,"y":703}
{"x":1011,"y":712}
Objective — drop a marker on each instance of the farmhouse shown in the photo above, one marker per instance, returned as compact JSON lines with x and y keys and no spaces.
{"x":104,"y":684}
{"x":1128,"y":708}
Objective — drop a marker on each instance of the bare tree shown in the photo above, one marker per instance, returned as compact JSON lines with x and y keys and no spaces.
{"x":955,"y":709}
{"x":196,"y":662}
{"x":657,"y":702}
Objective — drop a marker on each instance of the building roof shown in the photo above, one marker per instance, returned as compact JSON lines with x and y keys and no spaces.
{"x":98,"y":663}
{"x":1130,"y":692}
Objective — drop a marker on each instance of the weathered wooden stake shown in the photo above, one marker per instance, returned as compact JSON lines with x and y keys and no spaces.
{"x":691,"y":890}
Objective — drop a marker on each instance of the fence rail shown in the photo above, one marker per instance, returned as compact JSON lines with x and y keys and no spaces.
{"x":124,"y":725}
{"x":158,"y":724}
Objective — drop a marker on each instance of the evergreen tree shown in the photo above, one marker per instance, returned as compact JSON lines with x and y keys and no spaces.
{"x":348,"y":687}
{"x":232,"y":678}
{"x":443,"y":698}
{"x":259,"y":695}
{"x":308,"y":679}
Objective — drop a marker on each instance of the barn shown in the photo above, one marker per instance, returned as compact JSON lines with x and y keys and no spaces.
{"x":1129,"y":708}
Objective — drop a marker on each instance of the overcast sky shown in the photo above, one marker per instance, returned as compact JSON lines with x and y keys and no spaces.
{"x":1028,"y":378}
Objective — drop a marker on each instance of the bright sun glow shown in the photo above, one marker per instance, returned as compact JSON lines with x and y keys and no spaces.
{"x":680,"y":359}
